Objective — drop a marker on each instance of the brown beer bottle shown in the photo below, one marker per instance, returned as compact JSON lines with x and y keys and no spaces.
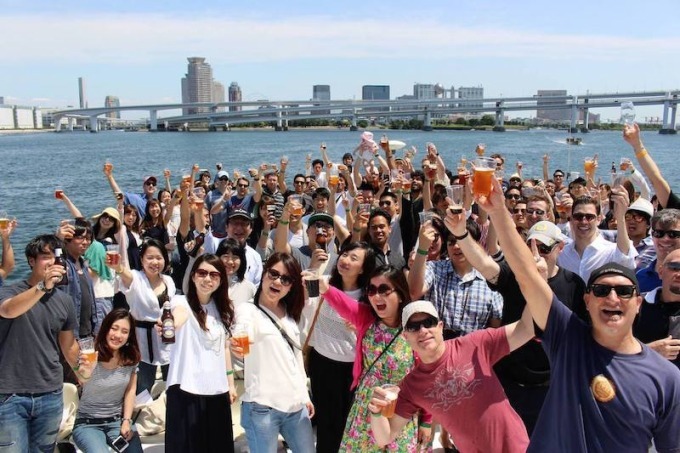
{"x":167,"y":325}
{"x":58,"y":259}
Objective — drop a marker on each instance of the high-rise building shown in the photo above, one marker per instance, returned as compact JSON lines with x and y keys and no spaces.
{"x":555,"y":113}
{"x":197,"y":85}
{"x":424,"y":91}
{"x":474,"y":94}
{"x":82,"y":95}
{"x":321,"y":93}
{"x":376,"y":93}
{"x":112,"y":101}
{"x":218,"y":94}
{"x":235,"y":96}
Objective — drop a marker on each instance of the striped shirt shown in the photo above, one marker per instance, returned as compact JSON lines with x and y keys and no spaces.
{"x":465,"y":303}
{"x":103,"y":394}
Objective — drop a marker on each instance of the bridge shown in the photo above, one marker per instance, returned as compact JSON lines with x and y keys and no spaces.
{"x":280,"y":112}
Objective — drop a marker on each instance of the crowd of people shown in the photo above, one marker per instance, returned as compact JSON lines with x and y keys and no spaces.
{"x":536,"y":314}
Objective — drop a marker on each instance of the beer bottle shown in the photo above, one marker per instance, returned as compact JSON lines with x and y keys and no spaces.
{"x":167,"y":324}
{"x":58,"y":259}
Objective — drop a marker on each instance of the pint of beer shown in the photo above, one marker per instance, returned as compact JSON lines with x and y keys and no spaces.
{"x":242,"y":340}
{"x":87,"y":349}
{"x":296,"y":205}
{"x":391,"y":394}
{"x":4,"y":220}
{"x":113,"y":255}
{"x":58,"y":193}
{"x":484,"y":168}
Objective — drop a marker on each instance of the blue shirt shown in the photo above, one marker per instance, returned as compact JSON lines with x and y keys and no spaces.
{"x":138,"y":200}
{"x":648,"y":278}
{"x":644,"y":406}
{"x":465,"y":303}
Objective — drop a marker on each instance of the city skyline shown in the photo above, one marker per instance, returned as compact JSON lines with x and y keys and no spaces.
{"x":281,"y":51}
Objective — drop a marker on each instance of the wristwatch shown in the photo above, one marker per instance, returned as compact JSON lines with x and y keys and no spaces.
{"x":41,"y":287}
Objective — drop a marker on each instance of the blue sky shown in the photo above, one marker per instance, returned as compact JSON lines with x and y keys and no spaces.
{"x":278,"y":50}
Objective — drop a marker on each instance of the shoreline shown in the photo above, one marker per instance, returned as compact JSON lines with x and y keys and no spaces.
{"x":24,"y":131}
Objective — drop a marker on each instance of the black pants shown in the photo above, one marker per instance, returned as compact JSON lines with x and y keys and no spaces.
{"x":525,"y":400}
{"x":332,"y":398}
{"x":197,"y":423}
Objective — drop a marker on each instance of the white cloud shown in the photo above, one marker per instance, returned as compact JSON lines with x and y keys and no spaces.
{"x":148,"y":39}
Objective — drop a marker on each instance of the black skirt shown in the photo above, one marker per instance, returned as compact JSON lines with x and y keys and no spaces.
{"x":197,"y":423}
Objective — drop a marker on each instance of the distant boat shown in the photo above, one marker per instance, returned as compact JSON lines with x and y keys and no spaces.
{"x":574,"y":140}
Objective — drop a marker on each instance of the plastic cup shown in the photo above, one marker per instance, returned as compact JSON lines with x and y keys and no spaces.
{"x":113,"y":254}
{"x":87,"y":348}
{"x":58,"y":193}
{"x":456,"y":193}
{"x":588,"y":165}
{"x":573,"y":175}
{"x":406,"y":182}
{"x":108,"y":166}
{"x":296,"y":204}
{"x":624,"y":164}
{"x":484,"y":168}
{"x":365,"y":207}
{"x":618,"y":179}
{"x":242,"y":339}
{"x":4,"y":220}
{"x":186,"y":175}
{"x":425,"y":216}
{"x":391,"y":395}
{"x":480,"y":149}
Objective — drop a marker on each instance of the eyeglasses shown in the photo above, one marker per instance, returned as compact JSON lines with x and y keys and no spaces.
{"x":150,"y":184}
{"x":538,"y":212}
{"x":545,"y":249}
{"x":519,"y":211}
{"x":512,"y":196}
{"x":499,"y":164}
{"x":299,"y":183}
{"x":634,"y":216}
{"x":672,"y":234}
{"x":384,"y":290}
{"x":202,"y":273}
{"x":385,"y":203}
{"x":243,"y":186}
{"x":322,"y":226}
{"x":415,"y":326}
{"x":623,"y":291}
{"x":286,"y":280}
{"x":580,"y":216}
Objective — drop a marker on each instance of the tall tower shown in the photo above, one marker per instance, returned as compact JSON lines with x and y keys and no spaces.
{"x":82,"y":95}
{"x":321,"y":93}
{"x":197,"y":85}
{"x":218,"y":94}
{"x":235,"y":96}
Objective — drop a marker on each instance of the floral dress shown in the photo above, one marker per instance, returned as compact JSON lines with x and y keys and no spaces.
{"x":392,"y":367}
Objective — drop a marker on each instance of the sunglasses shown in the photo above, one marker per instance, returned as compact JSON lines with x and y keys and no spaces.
{"x":579,"y":216}
{"x":106,"y":217}
{"x":538,"y":212}
{"x":202,"y":273}
{"x":672,"y":234}
{"x":299,"y":183}
{"x":223,"y":178}
{"x":545,"y":249}
{"x":384,"y":290}
{"x":150,"y":184}
{"x":558,"y":176}
{"x":673,"y":266}
{"x":512,"y":196}
{"x":286,"y":280}
{"x":634,"y":216}
{"x":385,"y":203}
{"x":623,"y":291}
{"x":243,"y":186}
{"x":519,"y":211}
{"x":428,"y":323}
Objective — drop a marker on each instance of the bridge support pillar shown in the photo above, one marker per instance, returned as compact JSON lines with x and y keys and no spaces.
{"x":574,"y":117}
{"x":427,"y":124}
{"x":153,"y":120}
{"x":668,"y":127}
{"x":353,"y":124}
{"x":57,"y":124}
{"x":499,"y":125}
{"x":71,"y":123}
{"x":586,"y":118}
{"x":94,"y":126}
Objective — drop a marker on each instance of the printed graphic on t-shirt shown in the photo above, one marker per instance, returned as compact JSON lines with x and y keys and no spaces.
{"x":453,"y":385}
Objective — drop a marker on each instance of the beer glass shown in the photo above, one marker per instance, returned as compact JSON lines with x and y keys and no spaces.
{"x":484,"y":168}
{"x":113,"y":255}
{"x":456,"y":193}
{"x":242,"y":339}
{"x":391,"y":395}
{"x":87,"y":349}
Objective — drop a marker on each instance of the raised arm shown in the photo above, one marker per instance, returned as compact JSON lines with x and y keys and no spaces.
{"x":474,"y":252}
{"x":620,"y":197}
{"x":631,"y":134}
{"x":7,"y":264}
{"x":281,"y":233}
{"x":521,"y":260}
{"x":546,"y":159}
{"x":75,"y":212}
{"x":281,"y":177}
{"x":108,"y":171}
{"x":416,"y":276}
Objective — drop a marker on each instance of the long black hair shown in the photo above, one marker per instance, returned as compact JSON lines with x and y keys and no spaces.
{"x":366,"y":268}
{"x":220,"y":296}
{"x":129,"y":352}
{"x":294,"y":301}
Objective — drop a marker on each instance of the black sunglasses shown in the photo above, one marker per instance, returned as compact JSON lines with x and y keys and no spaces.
{"x":673,"y":266}
{"x":538,"y":212}
{"x":150,"y":184}
{"x":299,"y":183}
{"x":579,"y":216}
{"x":243,"y":186}
{"x":384,"y":290}
{"x":106,"y":217}
{"x":286,"y":280}
{"x":557,"y":175}
{"x":623,"y":291}
{"x":672,"y":234}
{"x":428,"y":323}
{"x":545,"y":249}
{"x":519,"y":211}
{"x":223,"y":178}
{"x":385,"y":203}
{"x":512,"y":196}
{"x":202,"y":273}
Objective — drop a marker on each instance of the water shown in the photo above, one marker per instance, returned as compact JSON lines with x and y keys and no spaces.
{"x":34,"y":164}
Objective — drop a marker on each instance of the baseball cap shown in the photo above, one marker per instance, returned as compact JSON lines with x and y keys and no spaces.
{"x":418,"y":306}
{"x":546,"y":232}
{"x":643,"y":206}
{"x":321,"y":217}
{"x":514,"y":176}
{"x":221,"y":174}
{"x":150,"y":177}
{"x":613,"y":269}
{"x":240,"y":213}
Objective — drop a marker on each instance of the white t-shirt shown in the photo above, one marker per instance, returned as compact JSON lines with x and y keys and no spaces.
{"x":197,"y":361}
{"x":331,"y":337}
{"x":274,"y":373}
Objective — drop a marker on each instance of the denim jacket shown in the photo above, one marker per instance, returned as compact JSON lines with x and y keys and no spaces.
{"x":73,"y":289}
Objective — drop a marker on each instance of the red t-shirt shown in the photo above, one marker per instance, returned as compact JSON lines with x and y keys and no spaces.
{"x":463,"y":394}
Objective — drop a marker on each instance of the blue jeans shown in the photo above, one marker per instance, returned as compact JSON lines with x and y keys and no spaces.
{"x":96,"y":438}
{"x":263,"y":424}
{"x":30,"y":422}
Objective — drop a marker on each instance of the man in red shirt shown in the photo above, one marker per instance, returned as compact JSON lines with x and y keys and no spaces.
{"x":455,"y":382}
